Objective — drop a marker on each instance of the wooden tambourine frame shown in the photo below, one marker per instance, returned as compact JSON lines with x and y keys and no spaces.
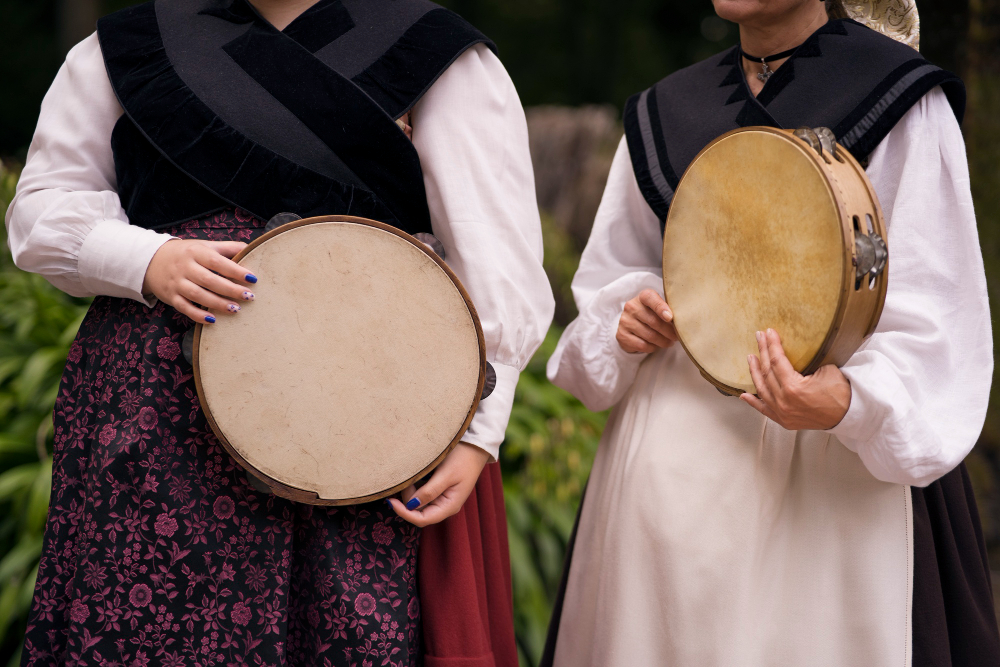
{"x":858,"y":310}
{"x":310,"y":497}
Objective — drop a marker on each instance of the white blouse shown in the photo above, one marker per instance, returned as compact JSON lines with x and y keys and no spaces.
{"x":920,"y":384}
{"x":66,"y":221}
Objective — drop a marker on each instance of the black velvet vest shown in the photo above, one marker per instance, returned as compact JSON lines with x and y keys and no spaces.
{"x":847,"y":77}
{"x":222,"y":109}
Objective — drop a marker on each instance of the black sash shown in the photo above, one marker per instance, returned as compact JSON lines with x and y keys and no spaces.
{"x":222,"y":109}
{"x":847,"y":77}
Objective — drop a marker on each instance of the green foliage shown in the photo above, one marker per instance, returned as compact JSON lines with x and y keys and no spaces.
{"x":37,"y":324}
{"x":549,"y":449}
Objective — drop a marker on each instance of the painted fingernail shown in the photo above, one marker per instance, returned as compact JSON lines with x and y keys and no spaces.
{"x":210,"y":319}
{"x":413,"y":503}
{"x":388,"y":502}
{"x":251,"y":278}
{"x":233,"y":308}
{"x":248,"y":296}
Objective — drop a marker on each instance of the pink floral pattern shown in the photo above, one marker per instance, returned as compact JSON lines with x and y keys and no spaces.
{"x":158,"y":552}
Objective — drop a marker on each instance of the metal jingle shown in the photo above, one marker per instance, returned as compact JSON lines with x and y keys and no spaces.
{"x":281,"y":219}
{"x":827,"y":139}
{"x":187,"y":346}
{"x":870,"y":253}
{"x":432,"y":242}
{"x":491,"y":381}
{"x":808,"y":135}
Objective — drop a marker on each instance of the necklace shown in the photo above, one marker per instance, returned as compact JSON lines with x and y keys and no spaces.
{"x":766,"y":71}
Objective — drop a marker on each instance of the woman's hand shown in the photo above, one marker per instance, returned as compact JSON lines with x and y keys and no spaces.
{"x":795,"y":401}
{"x":646,"y":324}
{"x":446,"y":491}
{"x":187,"y":273}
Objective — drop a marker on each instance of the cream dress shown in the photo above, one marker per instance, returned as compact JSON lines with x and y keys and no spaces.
{"x":711,"y":536}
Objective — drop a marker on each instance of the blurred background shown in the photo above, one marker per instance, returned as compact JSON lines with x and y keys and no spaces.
{"x":574,"y":63}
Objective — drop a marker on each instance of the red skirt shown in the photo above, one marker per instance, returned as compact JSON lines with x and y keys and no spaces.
{"x":463,"y":574}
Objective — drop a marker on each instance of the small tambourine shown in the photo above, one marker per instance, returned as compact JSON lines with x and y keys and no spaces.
{"x":773,"y":229}
{"x":355,"y":371}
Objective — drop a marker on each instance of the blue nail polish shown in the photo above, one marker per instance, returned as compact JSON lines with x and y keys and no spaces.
{"x":210,"y":319}
{"x":233,"y":308}
{"x":251,"y":278}
{"x":389,"y":503}
{"x":413,"y":503}
{"x":248,"y":296}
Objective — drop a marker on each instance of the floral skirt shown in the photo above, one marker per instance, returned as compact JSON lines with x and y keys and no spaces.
{"x":157,"y":550}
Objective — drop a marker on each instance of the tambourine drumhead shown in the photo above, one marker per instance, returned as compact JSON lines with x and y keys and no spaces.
{"x":356,"y":369}
{"x":754,"y":240}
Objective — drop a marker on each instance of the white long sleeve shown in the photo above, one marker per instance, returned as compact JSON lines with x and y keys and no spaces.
{"x":66,"y":221}
{"x":472,"y":137}
{"x":920,"y":384}
{"x":623,"y":257}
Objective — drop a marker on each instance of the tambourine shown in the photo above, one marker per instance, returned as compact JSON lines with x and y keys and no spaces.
{"x":777,"y":229}
{"x":353,"y":373}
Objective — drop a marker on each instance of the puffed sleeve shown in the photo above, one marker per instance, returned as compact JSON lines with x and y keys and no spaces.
{"x":920,"y":385}
{"x":66,"y":221}
{"x":622,"y":258}
{"x":470,"y":132}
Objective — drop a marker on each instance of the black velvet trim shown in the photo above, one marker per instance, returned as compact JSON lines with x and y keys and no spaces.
{"x":640,"y":164}
{"x":877,"y":93}
{"x":398,"y":79}
{"x":783,"y":76}
{"x":354,"y":126}
{"x":754,"y":114}
{"x":895,"y":112}
{"x":734,"y":77}
{"x":320,"y":24}
{"x":661,"y":145}
{"x":190,"y":136}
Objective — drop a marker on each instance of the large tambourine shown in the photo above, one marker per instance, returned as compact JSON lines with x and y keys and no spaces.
{"x":354,"y":372}
{"x":773,"y":229}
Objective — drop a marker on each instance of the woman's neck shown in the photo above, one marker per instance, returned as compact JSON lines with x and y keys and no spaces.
{"x":280,"y":13}
{"x":777,"y":34}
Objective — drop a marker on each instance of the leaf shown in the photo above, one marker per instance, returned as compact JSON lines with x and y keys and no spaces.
{"x":17,"y":480}
{"x":27,"y":552}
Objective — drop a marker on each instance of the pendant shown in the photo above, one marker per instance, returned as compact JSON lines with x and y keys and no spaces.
{"x":766,"y":72}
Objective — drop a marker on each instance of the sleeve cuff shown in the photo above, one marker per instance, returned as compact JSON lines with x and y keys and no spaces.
{"x":863,"y":415}
{"x":114,"y":257}
{"x":490,"y":422}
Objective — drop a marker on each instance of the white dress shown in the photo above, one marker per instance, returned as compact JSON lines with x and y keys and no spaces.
{"x":711,"y":536}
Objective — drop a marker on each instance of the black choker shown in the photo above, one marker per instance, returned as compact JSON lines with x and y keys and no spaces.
{"x":766,"y":72}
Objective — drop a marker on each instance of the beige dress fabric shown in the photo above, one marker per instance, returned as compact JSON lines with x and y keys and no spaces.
{"x":711,"y":536}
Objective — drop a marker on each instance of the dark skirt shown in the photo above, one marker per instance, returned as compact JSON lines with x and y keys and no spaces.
{"x":953,"y":620}
{"x":158,"y":552}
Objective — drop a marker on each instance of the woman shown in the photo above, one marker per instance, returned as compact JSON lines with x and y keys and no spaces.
{"x":166,"y":143}
{"x":826,"y":520}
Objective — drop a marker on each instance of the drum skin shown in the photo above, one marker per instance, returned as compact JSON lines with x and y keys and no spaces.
{"x":353,"y":373}
{"x":760,"y":235}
